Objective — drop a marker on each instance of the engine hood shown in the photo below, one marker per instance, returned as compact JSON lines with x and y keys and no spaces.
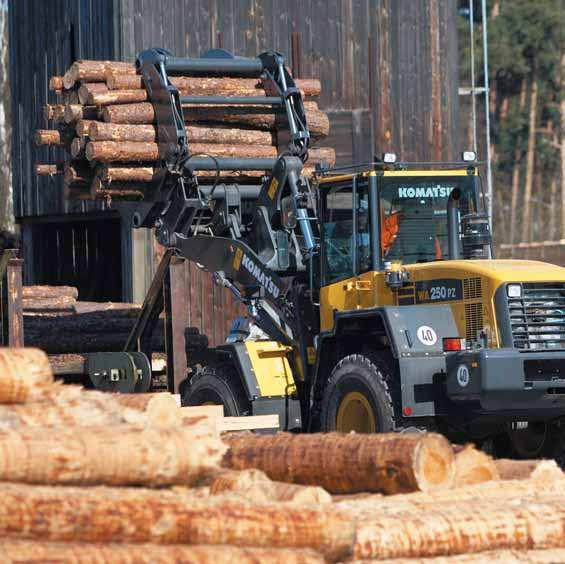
{"x":497,"y":271}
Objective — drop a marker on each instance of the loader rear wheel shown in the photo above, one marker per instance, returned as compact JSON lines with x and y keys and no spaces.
{"x":218,"y":385}
{"x":357,"y":398}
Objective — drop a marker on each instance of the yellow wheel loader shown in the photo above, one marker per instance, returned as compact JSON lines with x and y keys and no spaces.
{"x":374,"y":301}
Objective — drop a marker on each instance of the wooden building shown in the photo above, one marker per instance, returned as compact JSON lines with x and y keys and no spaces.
{"x":389,"y":82}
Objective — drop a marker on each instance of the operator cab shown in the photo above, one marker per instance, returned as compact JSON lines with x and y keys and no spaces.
{"x":398,"y":214}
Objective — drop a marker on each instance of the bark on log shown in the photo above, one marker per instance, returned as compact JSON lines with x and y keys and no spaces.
{"x":53,"y":137}
{"x":100,"y":131}
{"x":94,"y":71}
{"x":105,"y":514}
{"x":542,"y":556}
{"x":109,"y":174}
{"x":25,"y":375}
{"x":473,"y":466}
{"x":88,"y":89}
{"x":76,"y":112}
{"x":132,"y":455}
{"x":48,"y":169}
{"x":109,"y":151}
{"x":67,"y":364}
{"x":255,"y":485}
{"x":211,"y":86}
{"x":143,"y":113}
{"x":29,"y":292}
{"x":528,"y":469}
{"x":117,"y":97}
{"x":29,"y":552}
{"x":55,"y":112}
{"x":47,"y":303}
{"x":389,"y":463}
{"x":461,"y":529}
{"x":117,"y":308}
{"x":56,"y":83}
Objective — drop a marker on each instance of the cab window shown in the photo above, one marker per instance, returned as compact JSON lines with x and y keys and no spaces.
{"x":346,"y":244}
{"x":414,"y":215}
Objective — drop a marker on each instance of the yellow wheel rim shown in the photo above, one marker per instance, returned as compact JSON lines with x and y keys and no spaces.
{"x":355,"y":414}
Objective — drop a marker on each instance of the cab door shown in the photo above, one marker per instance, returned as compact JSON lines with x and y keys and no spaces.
{"x":345,"y":248}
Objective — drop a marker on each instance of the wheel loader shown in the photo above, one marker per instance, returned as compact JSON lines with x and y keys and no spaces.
{"x":373,"y":300}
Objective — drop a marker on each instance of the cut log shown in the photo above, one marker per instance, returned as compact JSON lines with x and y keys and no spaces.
{"x":56,"y":83}
{"x":473,"y":466}
{"x":541,"y":556}
{"x":25,"y":375}
{"x":88,"y":89}
{"x":461,"y":529}
{"x":143,"y":113}
{"x":118,"y":308}
{"x":48,"y":169}
{"x":30,"y":292}
{"x":48,"y":303}
{"x":109,"y":174}
{"x":526,"y":469}
{"x":100,"y":131}
{"x":76,"y":112}
{"x":152,"y":456}
{"x":108,"y":151}
{"x":94,"y":71}
{"x":202,"y":411}
{"x":249,"y":422}
{"x":211,"y":86}
{"x":160,"y":406}
{"x":53,"y":137}
{"x":29,"y":552}
{"x":117,"y":191}
{"x":255,"y":485}
{"x":105,"y":514}
{"x":68,"y":364}
{"x":55,"y":112}
{"x":389,"y":463}
{"x":117,"y":97}
{"x":419,"y":503}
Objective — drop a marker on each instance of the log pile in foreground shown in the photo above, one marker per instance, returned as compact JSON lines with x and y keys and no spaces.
{"x":106,"y":125}
{"x":87,"y":476}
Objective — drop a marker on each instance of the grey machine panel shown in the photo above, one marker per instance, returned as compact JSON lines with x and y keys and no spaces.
{"x":417,"y":336}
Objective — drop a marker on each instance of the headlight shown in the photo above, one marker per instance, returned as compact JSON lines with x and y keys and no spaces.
{"x":514,"y":290}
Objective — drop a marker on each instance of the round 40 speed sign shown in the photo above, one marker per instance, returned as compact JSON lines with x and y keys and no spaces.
{"x":426,"y":335}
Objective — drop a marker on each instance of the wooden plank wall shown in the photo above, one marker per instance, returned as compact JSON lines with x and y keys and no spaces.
{"x":45,"y":38}
{"x":393,"y":62}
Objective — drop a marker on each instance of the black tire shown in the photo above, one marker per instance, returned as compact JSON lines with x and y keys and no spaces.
{"x":218,"y":385}
{"x":358,"y":386}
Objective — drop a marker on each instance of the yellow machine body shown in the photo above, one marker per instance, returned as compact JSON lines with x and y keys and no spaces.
{"x":271,"y":367}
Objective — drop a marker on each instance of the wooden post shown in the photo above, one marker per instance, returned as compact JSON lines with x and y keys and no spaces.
{"x":11,"y":303}
{"x":176,"y":300}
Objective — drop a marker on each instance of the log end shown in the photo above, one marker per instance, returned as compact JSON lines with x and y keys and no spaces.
{"x":473,"y":466}
{"x":434,"y":463}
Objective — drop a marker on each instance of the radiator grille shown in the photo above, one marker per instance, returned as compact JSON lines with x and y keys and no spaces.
{"x":537,"y":318}
{"x":473,"y":320}
{"x":472,"y":289}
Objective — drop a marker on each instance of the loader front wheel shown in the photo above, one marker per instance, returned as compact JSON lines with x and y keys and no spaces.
{"x":218,"y":385}
{"x":357,"y":398}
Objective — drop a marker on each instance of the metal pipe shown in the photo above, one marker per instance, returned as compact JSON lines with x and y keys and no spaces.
{"x":453,"y":224}
{"x":245,"y":192}
{"x":233,"y":100}
{"x":487,"y":113}
{"x":473,"y":100}
{"x":216,"y":163}
{"x":217,"y":66}
{"x":301,"y":213}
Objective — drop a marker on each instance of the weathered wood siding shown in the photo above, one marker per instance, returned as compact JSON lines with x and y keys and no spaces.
{"x":45,"y":38}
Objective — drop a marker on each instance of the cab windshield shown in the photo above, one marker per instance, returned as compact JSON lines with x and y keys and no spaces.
{"x":413,"y":214}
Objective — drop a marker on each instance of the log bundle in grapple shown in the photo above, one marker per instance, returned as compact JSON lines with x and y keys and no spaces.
{"x":106,"y":124}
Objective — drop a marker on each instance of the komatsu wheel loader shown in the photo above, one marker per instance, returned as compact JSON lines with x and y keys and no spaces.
{"x":374,"y":303}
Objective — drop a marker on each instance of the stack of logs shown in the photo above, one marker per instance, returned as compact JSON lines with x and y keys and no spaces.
{"x":57,"y":323}
{"x":93,"y":477}
{"x":106,"y":124}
